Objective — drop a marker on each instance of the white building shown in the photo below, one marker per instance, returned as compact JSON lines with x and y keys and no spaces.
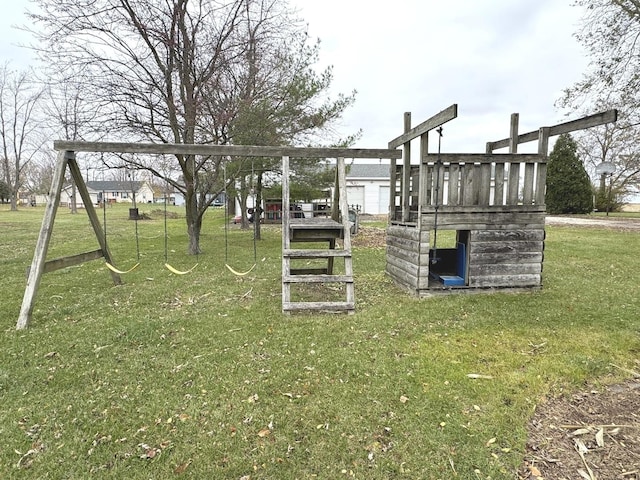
{"x":368,"y":188}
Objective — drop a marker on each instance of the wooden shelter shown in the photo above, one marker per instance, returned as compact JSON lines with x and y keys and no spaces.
{"x":327,"y":230}
{"x":492,"y":204}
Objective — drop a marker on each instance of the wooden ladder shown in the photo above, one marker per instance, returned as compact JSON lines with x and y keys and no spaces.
{"x":317,"y":230}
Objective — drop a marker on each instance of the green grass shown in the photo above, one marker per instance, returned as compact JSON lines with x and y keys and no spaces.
{"x":201,"y":376}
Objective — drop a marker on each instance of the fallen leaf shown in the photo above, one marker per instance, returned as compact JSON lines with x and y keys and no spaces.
{"x":534,"y":471}
{"x":181,"y":468}
{"x":600,"y":437}
{"x":404,"y":399}
{"x":491,"y":441}
{"x":265,"y":432}
{"x":580,"y":431}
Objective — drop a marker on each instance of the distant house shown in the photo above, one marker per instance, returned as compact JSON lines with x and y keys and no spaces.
{"x":368,"y":188}
{"x":112,"y":192}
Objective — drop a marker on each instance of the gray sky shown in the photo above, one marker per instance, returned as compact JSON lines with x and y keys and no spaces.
{"x":491,"y":57}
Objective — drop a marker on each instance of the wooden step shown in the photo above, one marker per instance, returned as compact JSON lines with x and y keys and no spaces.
{"x":319,"y":306}
{"x":317,"y":279}
{"x":315,"y":253}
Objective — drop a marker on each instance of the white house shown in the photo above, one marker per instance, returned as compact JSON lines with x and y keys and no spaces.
{"x":112,"y":192}
{"x":368,"y":187}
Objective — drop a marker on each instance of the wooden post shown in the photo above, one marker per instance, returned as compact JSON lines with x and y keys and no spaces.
{"x":406,"y":171}
{"x":514,"y":167}
{"x":93,"y":216}
{"x":286,"y":261}
{"x":40,"y":254}
{"x":541,"y":173}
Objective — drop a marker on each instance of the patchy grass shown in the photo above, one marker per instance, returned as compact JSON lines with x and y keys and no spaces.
{"x":201,"y":376}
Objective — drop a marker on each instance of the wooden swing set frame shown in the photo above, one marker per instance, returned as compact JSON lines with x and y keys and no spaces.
{"x":66,"y":158}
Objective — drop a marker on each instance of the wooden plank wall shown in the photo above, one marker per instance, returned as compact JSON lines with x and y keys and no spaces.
{"x":408,"y":256}
{"x":505,"y":258}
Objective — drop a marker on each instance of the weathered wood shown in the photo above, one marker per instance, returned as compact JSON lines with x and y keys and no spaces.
{"x":70,"y":261}
{"x":527,"y":189}
{"x":348,"y":307}
{"x":504,"y":269}
{"x":419,"y":258}
{"x":484,"y":189}
{"x":76,"y":174}
{"x":406,"y":170}
{"x":314,"y":253}
{"x":464,"y":158}
{"x":498,"y":191}
{"x":505,"y":257}
{"x":407,"y":244}
{"x":594,"y":120}
{"x":318,"y":278}
{"x":406,"y":267}
{"x":505,"y":246}
{"x":401,"y":276}
{"x":508,"y":235}
{"x":506,"y":281}
{"x":513,"y":133}
{"x":473,"y":209}
{"x":42,"y":245}
{"x":438,"y":119}
{"x":225,"y":150}
{"x":404,"y":232}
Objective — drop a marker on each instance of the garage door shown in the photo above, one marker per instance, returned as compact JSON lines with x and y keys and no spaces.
{"x":355,"y":198}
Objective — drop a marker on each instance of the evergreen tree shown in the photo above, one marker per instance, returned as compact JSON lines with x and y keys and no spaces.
{"x":569,"y":189}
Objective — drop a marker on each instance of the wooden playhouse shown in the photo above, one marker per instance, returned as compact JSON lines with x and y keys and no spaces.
{"x":468,"y":222}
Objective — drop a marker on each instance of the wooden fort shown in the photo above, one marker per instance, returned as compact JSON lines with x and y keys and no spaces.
{"x":469,"y":222}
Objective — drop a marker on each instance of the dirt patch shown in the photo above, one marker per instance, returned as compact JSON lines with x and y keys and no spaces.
{"x":370,"y":237}
{"x":591,"y":435}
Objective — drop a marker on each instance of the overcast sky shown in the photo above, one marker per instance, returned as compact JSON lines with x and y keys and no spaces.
{"x":491,"y":57}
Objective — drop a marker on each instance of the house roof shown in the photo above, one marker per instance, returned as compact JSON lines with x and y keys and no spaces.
{"x":370,"y":170}
{"x":114,"y":186}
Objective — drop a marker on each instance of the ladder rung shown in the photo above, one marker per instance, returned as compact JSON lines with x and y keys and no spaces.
{"x":332,"y":306}
{"x":318,"y":278}
{"x":315,"y":253}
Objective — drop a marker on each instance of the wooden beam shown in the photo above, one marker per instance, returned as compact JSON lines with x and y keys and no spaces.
{"x":93,"y":217}
{"x":438,"y":119}
{"x":594,"y":120}
{"x":231,"y":150}
{"x":42,"y":245}
{"x":406,"y":171}
{"x":70,"y":261}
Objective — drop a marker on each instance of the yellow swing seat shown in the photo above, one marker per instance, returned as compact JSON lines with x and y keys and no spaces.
{"x":117,"y":270}
{"x":179,"y":272}
{"x":239,"y":274}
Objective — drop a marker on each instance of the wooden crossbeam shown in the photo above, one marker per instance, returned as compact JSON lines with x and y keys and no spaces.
{"x":231,"y":150}
{"x":594,"y":120}
{"x":438,"y":119}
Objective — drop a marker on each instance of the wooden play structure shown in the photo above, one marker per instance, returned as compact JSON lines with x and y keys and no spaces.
{"x":313,"y":231}
{"x":492,"y":203}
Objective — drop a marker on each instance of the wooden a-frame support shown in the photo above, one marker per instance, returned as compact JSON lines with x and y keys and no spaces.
{"x":39,"y":265}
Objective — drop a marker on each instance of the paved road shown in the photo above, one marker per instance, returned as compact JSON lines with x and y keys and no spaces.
{"x":616,"y":223}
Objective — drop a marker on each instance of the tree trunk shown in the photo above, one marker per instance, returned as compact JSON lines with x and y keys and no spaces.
{"x":194,"y":217}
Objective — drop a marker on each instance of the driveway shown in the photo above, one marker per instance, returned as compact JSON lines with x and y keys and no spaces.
{"x":616,"y":223}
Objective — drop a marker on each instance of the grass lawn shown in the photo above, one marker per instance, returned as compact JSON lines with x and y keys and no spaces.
{"x":202,"y":376}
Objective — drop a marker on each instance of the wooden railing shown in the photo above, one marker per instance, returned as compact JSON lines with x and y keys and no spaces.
{"x":466,"y":182}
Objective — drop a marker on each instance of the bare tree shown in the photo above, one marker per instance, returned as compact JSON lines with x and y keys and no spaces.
{"x":609,"y":31}
{"x":20,"y":141}
{"x":172,"y":72}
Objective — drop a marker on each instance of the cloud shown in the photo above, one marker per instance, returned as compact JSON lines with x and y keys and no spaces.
{"x":492,"y":58}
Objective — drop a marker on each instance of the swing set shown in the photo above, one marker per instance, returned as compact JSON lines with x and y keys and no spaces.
{"x":66,"y":158}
